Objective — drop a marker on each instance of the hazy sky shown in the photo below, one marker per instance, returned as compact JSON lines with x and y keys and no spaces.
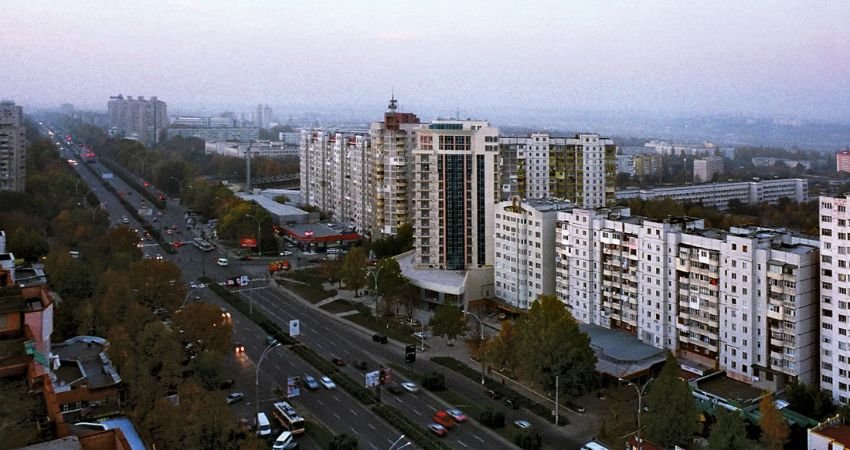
{"x":777,"y":57}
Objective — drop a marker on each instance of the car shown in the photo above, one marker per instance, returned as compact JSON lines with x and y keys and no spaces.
{"x":286,"y":441}
{"x":495,"y":395}
{"x":223,"y":262}
{"x":437,"y":429}
{"x":410,"y":386}
{"x":125,"y":220}
{"x":338,"y":362}
{"x":226,"y":384}
{"x":380,"y":338}
{"x":245,"y":257}
{"x":234,"y":397}
{"x":158,"y":257}
{"x":311,"y":382}
{"x":361,"y":365}
{"x":422,"y":334}
{"x":286,"y":253}
{"x":395,"y":389}
{"x":575,"y":407}
{"x":238,"y":348}
{"x":270,"y":340}
{"x":327,"y":382}
{"x":225,"y":315}
{"x":511,"y":403}
{"x":457,"y":415}
{"x":170,"y":232}
{"x":443,"y":418}
{"x":155,"y":219}
{"x":522,"y":424}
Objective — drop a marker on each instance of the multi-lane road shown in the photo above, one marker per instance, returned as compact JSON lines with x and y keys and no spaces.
{"x":327,"y":335}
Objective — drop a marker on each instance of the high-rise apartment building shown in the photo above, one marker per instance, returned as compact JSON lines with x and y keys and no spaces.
{"x":455,"y":178}
{"x":581,"y":169}
{"x":263,"y":116}
{"x":706,"y":168}
{"x":390,"y":164}
{"x":137,"y":118}
{"x":743,"y":300}
{"x":524,"y":249}
{"x":335,"y":176}
{"x":834,"y":298}
{"x":842,"y":161}
{"x":13,"y":148}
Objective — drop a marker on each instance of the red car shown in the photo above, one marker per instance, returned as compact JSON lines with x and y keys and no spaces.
{"x":443,"y":418}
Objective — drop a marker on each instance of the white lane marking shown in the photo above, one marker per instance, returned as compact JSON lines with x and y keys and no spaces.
{"x":320,"y":402}
{"x":337,"y":416}
{"x":417,"y":412}
{"x":372,"y":427}
{"x":477,"y":437}
{"x":336,"y":398}
{"x":352,"y":411}
{"x":461,"y":443}
{"x":355,"y":431}
{"x":373,"y":446}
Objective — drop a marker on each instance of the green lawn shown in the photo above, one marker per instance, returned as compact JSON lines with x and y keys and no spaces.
{"x":338,"y":306}
{"x":391,"y":328}
{"x":311,"y":294}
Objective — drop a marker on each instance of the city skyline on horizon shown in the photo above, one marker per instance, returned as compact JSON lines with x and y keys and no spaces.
{"x":757,"y":59}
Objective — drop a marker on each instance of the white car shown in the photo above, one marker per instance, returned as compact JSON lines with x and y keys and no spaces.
{"x":286,"y":253}
{"x":410,"y":387}
{"x":327,"y":383}
{"x":286,"y":441}
{"x":223,"y":262}
{"x":522,"y":424}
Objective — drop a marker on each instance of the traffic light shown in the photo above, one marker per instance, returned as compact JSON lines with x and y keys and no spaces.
{"x":410,"y":353}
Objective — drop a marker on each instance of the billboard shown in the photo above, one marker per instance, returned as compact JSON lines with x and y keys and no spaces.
{"x":294,"y":327}
{"x":248,"y":242}
{"x":373,"y":378}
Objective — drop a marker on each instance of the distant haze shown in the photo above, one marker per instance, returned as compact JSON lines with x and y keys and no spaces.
{"x":483,"y":58}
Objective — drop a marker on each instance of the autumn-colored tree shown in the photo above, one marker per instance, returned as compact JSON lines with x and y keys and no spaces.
{"x":157,"y":283}
{"x":503,"y":350}
{"x":204,"y":326}
{"x":774,"y":428}
{"x":392,"y":284}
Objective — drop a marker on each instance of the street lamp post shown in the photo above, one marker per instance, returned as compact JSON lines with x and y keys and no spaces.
{"x":266,"y":351}
{"x":375,"y":276}
{"x":396,"y":442}
{"x":640,"y":405}
{"x":258,"y":233}
{"x":480,"y":349}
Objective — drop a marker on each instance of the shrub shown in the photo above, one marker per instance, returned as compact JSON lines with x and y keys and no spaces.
{"x":492,"y":419}
{"x":529,"y":440}
{"x":434,"y":381}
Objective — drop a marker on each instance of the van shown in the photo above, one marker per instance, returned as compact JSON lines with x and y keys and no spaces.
{"x":222,"y":262}
{"x":264,"y":428}
{"x":594,"y":446}
{"x":74,"y":254}
{"x":285,"y":441}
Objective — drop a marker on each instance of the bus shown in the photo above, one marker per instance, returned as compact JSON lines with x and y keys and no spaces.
{"x":202,"y":245}
{"x":289,"y":418}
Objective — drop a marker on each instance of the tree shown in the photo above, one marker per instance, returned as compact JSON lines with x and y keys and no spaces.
{"x":774,"y":429}
{"x":448,"y":321}
{"x":343,"y":442}
{"x":729,"y":432}
{"x":810,"y":400}
{"x":529,"y":440}
{"x":204,"y":326}
{"x":353,"y":272}
{"x":672,"y":416}
{"x":502,"y":350}
{"x":28,"y":244}
{"x":551,"y":345}
{"x":391,"y":284}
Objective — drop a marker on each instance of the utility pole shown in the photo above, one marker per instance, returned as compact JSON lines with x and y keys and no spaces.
{"x":557,"y":378}
{"x":248,"y":167}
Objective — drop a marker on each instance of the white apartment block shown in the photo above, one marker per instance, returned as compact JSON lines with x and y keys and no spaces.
{"x":834,"y":298}
{"x":263,"y":148}
{"x":743,"y":300}
{"x":137,"y":118}
{"x":13,"y":148}
{"x":390,"y":165}
{"x":581,"y":169}
{"x":334,"y":176}
{"x":454,"y":190}
{"x":706,"y":168}
{"x":718,"y":195}
{"x":525,"y":249}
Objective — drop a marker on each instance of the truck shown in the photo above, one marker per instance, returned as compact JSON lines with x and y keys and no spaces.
{"x":276,"y":266}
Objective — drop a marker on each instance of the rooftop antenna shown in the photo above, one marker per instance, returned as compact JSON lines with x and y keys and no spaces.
{"x":393,"y":102}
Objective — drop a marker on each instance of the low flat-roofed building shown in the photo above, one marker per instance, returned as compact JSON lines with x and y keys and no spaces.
{"x":85,"y":381}
{"x":319,"y":236}
{"x":281,"y":213}
{"x":830,"y":435}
